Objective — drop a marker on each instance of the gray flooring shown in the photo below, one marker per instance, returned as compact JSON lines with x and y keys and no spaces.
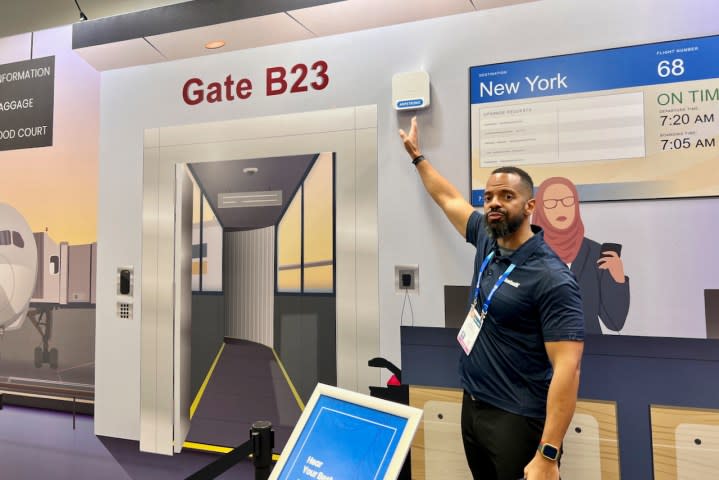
{"x":42,"y":444}
{"x":247,"y":385}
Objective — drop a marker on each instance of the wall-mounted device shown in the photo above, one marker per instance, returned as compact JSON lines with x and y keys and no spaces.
{"x":410,"y":91}
{"x":124,"y":281}
{"x":406,"y":278}
{"x":125,"y":292}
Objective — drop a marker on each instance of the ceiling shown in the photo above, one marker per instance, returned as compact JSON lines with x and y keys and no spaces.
{"x":21,"y":16}
{"x":272,"y":174}
{"x":286,"y":25}
{"x":144,"y":44}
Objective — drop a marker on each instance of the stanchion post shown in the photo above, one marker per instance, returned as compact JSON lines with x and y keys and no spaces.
{"x":263,"y":440}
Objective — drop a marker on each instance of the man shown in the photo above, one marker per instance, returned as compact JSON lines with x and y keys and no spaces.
{"x":520,"y":368}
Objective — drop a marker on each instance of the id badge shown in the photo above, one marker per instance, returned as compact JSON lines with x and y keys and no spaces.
{"x":470,"y":330}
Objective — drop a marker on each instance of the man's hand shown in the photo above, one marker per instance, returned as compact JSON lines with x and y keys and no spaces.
{"x":411,"y":139}
{"x":541,"y":469}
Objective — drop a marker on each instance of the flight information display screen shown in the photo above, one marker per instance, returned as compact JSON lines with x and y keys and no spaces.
{"x":625,"y":123}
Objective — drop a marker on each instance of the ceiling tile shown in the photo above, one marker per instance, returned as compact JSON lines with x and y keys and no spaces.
{"x":353,"y":15}
{"x":299,"y":24}
{"x":238,"y":35}
{"x":120,"y":54}
{"x":34,"y":15}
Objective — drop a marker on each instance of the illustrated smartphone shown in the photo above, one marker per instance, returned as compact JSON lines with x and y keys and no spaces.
{"x":611,"y":247}
{"x":580,"y":458}
{"x":697,"y":450}
{"x":444,"y":452}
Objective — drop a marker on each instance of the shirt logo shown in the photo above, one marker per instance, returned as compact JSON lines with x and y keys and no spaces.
{"x":512,"y":283}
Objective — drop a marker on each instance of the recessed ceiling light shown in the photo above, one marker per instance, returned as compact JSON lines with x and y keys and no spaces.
{"x":215,"y":44}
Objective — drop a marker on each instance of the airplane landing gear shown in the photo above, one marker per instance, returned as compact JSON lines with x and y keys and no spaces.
{"x":41,"y":319}
{"x":43,"y":356}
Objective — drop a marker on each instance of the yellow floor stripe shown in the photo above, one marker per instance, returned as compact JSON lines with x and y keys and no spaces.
{"x":289,"y":382}
{"x":217,"y":449}
{"x":200,"y":392}
{"x":206,"y":448}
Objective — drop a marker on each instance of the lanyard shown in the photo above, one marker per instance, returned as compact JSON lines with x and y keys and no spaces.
{"x":502,"y":278}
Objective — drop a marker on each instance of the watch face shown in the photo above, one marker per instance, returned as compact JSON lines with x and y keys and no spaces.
{"x":550,"y":451}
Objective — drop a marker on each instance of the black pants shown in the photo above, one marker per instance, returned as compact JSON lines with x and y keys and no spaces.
{"x":498,"y":444}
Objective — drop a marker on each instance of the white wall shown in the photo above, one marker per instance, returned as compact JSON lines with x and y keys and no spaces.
{"x":411,"y":229}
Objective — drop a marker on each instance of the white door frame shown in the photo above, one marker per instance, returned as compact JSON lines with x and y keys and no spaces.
{"x":349,"y":132}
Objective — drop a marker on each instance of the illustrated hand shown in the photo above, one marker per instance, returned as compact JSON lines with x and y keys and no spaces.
{"x":611,"y":261}
{"x":411,"y":139}
{"x":541,"y":469}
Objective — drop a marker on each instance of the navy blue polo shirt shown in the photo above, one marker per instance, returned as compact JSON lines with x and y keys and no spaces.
{"x":539,"y":302}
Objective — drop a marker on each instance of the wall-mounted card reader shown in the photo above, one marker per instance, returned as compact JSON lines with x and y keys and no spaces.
{"x":125,"y":292}
{"x":124,"y":281}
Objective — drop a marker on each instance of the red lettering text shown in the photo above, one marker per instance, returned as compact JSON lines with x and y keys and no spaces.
{"x":194,"y":93}
{"x":320,"y":67}
{"x":214,"y":92}
{"x":297,"y":87}
{"x":244,"y":89}
{"x":276,"y":75}
{"x":278,"y":80}
{"x":195,"y":96}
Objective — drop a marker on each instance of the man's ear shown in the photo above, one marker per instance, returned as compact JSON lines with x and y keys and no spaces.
{"x":529,"y":207}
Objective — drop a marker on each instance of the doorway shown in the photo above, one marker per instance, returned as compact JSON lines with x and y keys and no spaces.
{"x":351,"y":133}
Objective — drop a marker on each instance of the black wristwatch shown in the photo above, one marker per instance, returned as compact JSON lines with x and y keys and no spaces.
{"x":549,"y":451}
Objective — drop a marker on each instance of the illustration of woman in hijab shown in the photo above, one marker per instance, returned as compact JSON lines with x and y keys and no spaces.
{"x":598,"y":268}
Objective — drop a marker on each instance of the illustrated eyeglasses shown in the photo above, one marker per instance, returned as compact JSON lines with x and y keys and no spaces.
{"x":552,"y":202}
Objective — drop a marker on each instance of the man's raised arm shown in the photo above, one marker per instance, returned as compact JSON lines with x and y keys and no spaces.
{"x":446,"y":195}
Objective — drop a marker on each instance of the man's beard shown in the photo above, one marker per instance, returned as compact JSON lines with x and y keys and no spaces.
{"x":505,"y":227}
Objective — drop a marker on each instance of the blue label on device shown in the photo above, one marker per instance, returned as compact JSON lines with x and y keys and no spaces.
{"x":416,"y":102}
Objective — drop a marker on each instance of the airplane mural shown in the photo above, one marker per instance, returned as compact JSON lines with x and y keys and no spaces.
{"x":39,"y":276}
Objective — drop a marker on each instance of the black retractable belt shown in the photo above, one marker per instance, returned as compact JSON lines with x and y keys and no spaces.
{"x":260,"y":444}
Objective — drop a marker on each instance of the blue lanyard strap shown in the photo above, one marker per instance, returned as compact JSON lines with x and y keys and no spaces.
{"x":485,"y":305}
{"x":502,"y":278}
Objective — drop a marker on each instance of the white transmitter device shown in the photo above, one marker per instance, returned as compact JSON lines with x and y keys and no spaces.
{"x":410,"y":91}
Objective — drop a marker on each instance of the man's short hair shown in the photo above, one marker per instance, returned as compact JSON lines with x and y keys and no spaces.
{"x":524,"y":177}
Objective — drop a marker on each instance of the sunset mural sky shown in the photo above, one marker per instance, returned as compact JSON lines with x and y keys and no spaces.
{"x":55,"y":188}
